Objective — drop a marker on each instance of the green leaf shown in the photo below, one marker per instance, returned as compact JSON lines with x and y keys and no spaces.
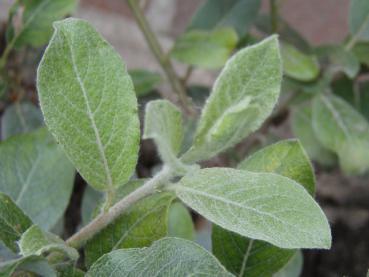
{"x":293,"y":268}
{"x":34,"y":264}
{"x":263,"y":206}
{"x":286,"y":158}
{"x":339,"y":59}
{"x":298,"y":65}
{"x":343,"y":130}
{"x":207,"y":49}
{"x":239,"y":14}
{"x":361,"y":51}
{"x":37,"y":242}
{"x":35,"y":173}
{"x":359,"y":19}
{"x":13,"y":222}
{"x":37,"y":19}
{"x":166,"y":257}
{"x":90,"y":200}
{"x":302,"y":127}
{"x":243,"y":97}
{"x":163,"y":124}
{"x":20,"y":118}
{"x":246,"y":257}
{"x":180,"y":222}
{"x":145,"y":222}
{"x":69,"y":271}
{"x":89,"y":104}
{"x":144,"y":81}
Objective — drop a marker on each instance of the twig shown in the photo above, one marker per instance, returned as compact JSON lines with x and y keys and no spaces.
{"x":164,"y":61}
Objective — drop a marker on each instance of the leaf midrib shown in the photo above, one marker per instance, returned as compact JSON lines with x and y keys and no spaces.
{"x":91,"y":116}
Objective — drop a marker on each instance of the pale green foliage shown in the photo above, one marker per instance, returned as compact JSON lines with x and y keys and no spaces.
{"x":13,"y":222}
{"x":243,"y":97}
{"x":33,"y":263}
{"x":37,"y":19}
{"x":180,"y":223}
{"x":20,"y":118}
{"x":286,"y":158}
{"x":34,"y":241}
{"x":166,"y":257}
{"x":361,"y":51}
{"x":239,"y":14}
{"x":246,"y":257}
{"x":35,"y":173}
{"x":293,"y":268}
{"x":298,"y":65}
{"x":207,"y":49}
{"x":91,"y":198}
{"x":262,"y":206}
{"x":359,"y":19}
{"x":163,"y":124}
{"x":89,"y":104}
{"x":145,"y":222}
{"x":144,"y":81}
{"x":340,"y":128}
{"x":303,"y":129}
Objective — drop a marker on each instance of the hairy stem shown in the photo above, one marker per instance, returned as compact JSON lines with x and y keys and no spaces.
{"x":104,"y":219}
{"x":164,"y":61}
{"x":273,"y":15}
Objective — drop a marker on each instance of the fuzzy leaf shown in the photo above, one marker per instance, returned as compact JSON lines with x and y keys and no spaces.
{"x":243,"y":97}
{"x":293,"y":268}
{"x":37,"y":242}
{"x":340,"y":128}
{"x":207,"y":49}
{"x":239,"y":14}
{"x":286,"y":158}
{"x":37,"y":19}
{"x":247,"y":257}
{"x":298,"y":65}
{"x":20,"y":118}
{"x":166,"y":257}
{"x":34,"y":264}
{"x":302,"y":127}
{"x":180,"y":223}
{"x":13,"y":222}
{"x":163,"y":124}
{"x":359,"y":19}
{"x":144,"y":81}
{"x":263,"y":206}
{"x":142,"y":224}
{"x":89,"y":104}
{"x":35,"y":173}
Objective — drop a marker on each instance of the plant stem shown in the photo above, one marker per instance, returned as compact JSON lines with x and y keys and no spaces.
{"x":104,"y":219}
{"x":164,"y":61}
{"x":273,"y":15}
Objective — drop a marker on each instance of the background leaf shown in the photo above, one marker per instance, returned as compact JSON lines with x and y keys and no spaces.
{"x":262,"y":206}
{"x":13,"y":222}
{"x":166,"y":257}
{"x":89,"y":104}
{"x":144,"y":81}
{"x":293,"y":268}
{"x":243,"y":97}
{"x":35,"y":264}
{"x":20,"y":118}
{"x":35,"y":173}
{"x":142,"y":224}
{"x":207,"y":49}
{"x":91,"y":199}
{"x":239,"y":14}
{"x":302,"y":127}
{"x":163,"y":124}
{"x":180,"y":222}
{"x":359,"y":19}
{"x":340,"y":128}
{"x":298,"y":65}
{"x":37,"y":19}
